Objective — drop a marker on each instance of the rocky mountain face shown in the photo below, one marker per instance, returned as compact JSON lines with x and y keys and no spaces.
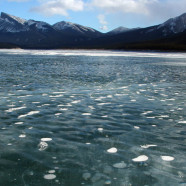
{"x":168,"y":29}
{"x":174,"y":25}
{"x":120,"y":30}
{"x":38,"y":34}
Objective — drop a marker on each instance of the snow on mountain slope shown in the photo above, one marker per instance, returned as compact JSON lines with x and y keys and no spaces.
{"x":10,"y":23}
{"x":66,"y":34}
{"x":118,"y":30}
{"x":40,"y":25}
{"x":13,"y":24}
{"x":175,"y":25}
{"x":75,"y":28}
{"x":12,"y":19}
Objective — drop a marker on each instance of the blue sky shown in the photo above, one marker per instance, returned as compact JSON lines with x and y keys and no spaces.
{"x":103,"y":15}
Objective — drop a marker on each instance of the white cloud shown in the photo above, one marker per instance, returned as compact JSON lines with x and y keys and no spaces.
{"x":167,"y":8}
{"x":101,"y":19}
{"x":124,"y":6}
{"x":103,"y":22}
{"x":147,"y":12}
{"x":59,"y":7}
{"x":104,"y":27}
{"x":158,"y":8}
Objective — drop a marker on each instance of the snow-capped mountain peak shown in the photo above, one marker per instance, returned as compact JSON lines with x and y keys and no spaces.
{"x":39,"y":24}
{"x":9,"y":23}
{"x":63,"y":25}
{"x":120,"y":30}
{"x":12,"y":19}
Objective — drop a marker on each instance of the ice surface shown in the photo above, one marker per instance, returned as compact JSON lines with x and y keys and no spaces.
{"x":94,"y":53}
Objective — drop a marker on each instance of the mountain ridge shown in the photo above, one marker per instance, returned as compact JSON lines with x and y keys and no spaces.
{"x":39,"y":35}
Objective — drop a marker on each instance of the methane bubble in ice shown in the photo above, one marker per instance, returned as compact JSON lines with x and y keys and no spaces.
{"x":22,"y":136}
{"x":140,"y":158}
{"x":49,"y":176}
{"x":112,"y":150}
{"x":147,"y":146}
{"x":167,"y":158}
{"x":120,"y":165}
{"x":51,"y":171}
{"x":18,"y":123}
{"x":42,"y":146}
{"x":86,"y":176}
{"x":46,"y":139}
{"x":100,"y":129}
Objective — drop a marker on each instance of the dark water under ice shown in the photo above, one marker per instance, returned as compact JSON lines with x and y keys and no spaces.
{"x":92,"y":119}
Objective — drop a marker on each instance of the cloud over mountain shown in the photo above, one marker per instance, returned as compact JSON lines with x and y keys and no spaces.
{"x":59,"y":7}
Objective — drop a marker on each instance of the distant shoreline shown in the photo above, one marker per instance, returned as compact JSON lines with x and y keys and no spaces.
{"x":99,"y":49}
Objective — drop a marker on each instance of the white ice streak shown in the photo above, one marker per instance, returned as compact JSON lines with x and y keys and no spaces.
{"x":28,"y":114}
{"x":103,"y":104}
{"x":77,"y":101}
{"x":182,"y":122}
{"x":86,"y":114}
{"x":58,"y":114}
{"x":46,"y":104}
{"x":147,"y":112}
{"x":100,"y":129}
{"x":18,"y":123}
{"x":163,"y":116}
{"x":63,"y":109}
{"x":106,"y":116}
{"x":56,"y":96}
{"x":14,"y":109}
{"x":91,"y":107}
{"x":147,"y":146}
{"x":67,"y":105}
{"x":22,"y":136}
{"x":93,"y":53}
{"x":59,"y":92}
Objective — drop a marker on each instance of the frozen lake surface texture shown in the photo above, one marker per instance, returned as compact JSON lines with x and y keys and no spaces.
{"x":92,"y":118}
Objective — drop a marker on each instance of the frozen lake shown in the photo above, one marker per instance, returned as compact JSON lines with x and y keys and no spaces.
{"x":79,"y":117}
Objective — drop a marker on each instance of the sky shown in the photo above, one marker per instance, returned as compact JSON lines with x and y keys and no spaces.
{"x":102,"y":15}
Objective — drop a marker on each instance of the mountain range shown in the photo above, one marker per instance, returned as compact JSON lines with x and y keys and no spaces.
{"x":16,"y":32}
